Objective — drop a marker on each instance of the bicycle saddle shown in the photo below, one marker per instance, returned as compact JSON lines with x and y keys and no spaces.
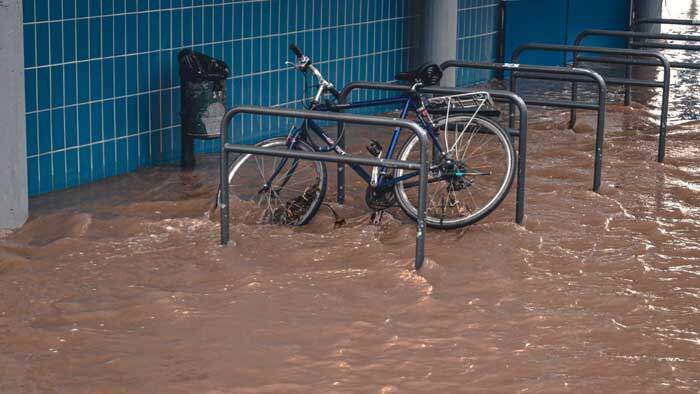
{"x":428,"y":74}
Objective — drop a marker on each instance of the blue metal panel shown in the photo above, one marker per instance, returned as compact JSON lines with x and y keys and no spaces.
{"x":558,"y":22}
{"x":541,"y":21}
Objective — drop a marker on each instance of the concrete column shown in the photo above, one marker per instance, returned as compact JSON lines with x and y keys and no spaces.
{"x":13,"y":145}
{"x":648,"y":9}
{"x":435,"y":33}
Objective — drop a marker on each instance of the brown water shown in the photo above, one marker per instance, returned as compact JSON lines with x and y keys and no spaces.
{"x":121,"y":287}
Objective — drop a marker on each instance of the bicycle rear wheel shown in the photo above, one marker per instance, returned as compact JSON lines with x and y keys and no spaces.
{"x":472,"y":184}
{"x":275,"y":190}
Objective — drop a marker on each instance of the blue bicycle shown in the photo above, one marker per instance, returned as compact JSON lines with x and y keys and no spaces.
{"x":472,"y":163}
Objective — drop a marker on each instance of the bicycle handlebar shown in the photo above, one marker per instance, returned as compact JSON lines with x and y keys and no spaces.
{"x":296,"y":50}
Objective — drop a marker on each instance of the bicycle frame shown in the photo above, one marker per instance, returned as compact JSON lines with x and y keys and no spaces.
{"x":408,"y":105}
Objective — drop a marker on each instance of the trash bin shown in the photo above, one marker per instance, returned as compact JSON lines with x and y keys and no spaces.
{"x":203,"y":99}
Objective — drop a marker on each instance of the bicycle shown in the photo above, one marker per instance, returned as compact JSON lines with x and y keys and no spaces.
{"x":470,"y":174}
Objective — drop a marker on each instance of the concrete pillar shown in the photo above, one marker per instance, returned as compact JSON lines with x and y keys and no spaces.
{"x":13,"y":145}
{"x":648,"y":9}
{"x":435,"y":33}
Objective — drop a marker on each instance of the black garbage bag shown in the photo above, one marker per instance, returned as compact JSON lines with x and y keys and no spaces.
{"x":203,"y":93}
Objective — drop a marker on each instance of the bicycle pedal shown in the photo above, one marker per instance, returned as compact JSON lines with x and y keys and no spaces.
{"x":377,"y":217}
{"x":375,"y":148}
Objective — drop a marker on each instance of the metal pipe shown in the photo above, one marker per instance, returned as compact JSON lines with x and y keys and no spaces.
{"x":667,"y":21}
{"x":663,"y":45}
{"x":663,"y":62}
{"x":498,"y":95}
{"x":332,"y":116}
{"x":636,"y":62}
{"x":554,"y":73}
{"x":633,"y":34}
{"x":501,"y":56}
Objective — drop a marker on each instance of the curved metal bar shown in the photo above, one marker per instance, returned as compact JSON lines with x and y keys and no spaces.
{"x":559,"y":74}
{"x":633,"y":53}
{"x":498,"y":95}
{"x":422,"y":135}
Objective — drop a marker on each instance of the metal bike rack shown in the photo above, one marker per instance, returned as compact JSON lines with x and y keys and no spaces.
{"x":422,"y":167}
{"x":498,"y":95}
{"x":630,"y":58}
{"x":567,"y":74}
{"x":630,"y":35}
{"x":665,"y":21}
{"x":647,"y":45}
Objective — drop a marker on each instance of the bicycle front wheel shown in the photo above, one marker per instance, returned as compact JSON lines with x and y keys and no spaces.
{"x":471,"y":183}
{"x":275,"y":190}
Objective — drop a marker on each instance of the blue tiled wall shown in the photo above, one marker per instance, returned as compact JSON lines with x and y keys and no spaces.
{"x":477,"y":38}
{"x":102,"y":88}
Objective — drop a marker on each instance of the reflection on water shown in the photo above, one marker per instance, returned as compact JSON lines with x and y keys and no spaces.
{"x":120,"y":287}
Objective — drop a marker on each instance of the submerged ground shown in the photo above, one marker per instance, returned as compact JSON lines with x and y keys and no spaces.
{"x":121,"y":287}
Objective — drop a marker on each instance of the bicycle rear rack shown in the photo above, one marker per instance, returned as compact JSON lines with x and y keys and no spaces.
{"x":497,"y":95}
{"x":422,"y":167}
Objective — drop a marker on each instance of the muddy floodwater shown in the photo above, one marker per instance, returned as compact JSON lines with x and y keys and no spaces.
{"x":121,"y":287}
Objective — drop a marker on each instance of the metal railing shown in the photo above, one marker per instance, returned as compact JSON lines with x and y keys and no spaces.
{"x":567,"y":74}
{"x":422,"y":167}
{"x":498,"y":95}
{"x":618,"y":56}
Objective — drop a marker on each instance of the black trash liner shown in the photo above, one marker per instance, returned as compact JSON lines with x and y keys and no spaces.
{"x":203,"y":93}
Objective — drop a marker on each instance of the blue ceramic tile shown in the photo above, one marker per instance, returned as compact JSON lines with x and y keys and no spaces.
{"x":72,"y":168}
{"x":55,"y":9}
{"x":95,"y":37}
{"x":69,"y":40}
{"x":45,"y":173}
{"x":70,"y":115}
{"x":95,"y":80}
{"x":41,"y":9}
{"x":29,"y":45}
{"x":69,"y":9}
{"x":98,"y":169}
{"x":56,"y":86}
{"x":59,"y":170}
{"x":122,"y":157}
{"x":82,"y":29}
{"x":30,"y":90}
{"x":44,"y":127}
{"x":132,"y":108}
{"x":107,"y":36}
{"x":110,"y":158}
{"x":32,"y":138}
{"x":43,"y":55}
{"x":95,"y":122}
{"x":95,"y":8}
{"x":119,"y":35}
{"x":85,"y":164}
{"x":57,"y":129}
{"x":107,"y":78}
{"x":120,"y":117}
{"x":143,"y":113}
{"x":108,"y":119}
{"x":33,"y":175}
{"x":84,"y":124}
